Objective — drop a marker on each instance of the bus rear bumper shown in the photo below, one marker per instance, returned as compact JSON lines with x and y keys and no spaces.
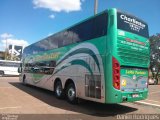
{"x":133,"y":96}
{"x":121,"y":96}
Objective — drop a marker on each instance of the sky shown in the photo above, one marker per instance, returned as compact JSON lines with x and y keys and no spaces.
{"x":24,"y":22}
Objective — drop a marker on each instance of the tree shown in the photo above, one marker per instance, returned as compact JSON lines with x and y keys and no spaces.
{"x":155,"y":55}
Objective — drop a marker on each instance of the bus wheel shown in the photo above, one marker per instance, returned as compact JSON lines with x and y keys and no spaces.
{"x":58,"y":90}
{"x":1,"y":73}
{"x":71,"y":93}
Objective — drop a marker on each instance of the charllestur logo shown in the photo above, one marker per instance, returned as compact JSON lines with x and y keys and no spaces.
{"x":133,"y":23}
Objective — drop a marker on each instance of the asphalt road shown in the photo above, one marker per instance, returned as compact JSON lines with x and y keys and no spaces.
{"x":29,"y":102}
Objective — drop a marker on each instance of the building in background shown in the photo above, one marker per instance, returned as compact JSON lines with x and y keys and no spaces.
{"x":14,"y":52}
{"x":2,"y":55}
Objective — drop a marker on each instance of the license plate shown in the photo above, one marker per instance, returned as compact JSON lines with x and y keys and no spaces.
{"x":135,"y":95}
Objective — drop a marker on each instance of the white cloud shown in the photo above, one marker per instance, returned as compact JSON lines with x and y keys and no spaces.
{"x":58,"y":5}
{"x":52,"y":16}
{"x":6,"y":35}
{"x":8,"y":39}
{"x":15,"y":42}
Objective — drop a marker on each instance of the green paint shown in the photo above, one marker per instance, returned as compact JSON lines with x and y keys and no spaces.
{"x":76,"y":62}
{"x":37,"y":77}
{"x":128,"y":53}
{"x":82,"y":50}
{"x":132,"y":72}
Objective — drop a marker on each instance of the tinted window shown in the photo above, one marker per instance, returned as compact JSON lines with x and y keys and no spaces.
{"x":92,"y":28}
{"x":60,"y":38}
{"x":75,"y":35}
{"x":85,"y":30}
{"x":67,"y":37}
{"x":89,"y":29}
{"x":1,"y":63}
{"x":9,"y":64}
{"x":132,"y":24}
{"x":100,"y":25}
{"x":45,"y":67}
{"x":53,"y":42}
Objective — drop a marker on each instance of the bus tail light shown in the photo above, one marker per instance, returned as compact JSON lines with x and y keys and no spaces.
{"x":116,"y":73}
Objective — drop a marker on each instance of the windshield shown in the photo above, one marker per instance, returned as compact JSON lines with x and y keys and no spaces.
{"x":132,"y":24}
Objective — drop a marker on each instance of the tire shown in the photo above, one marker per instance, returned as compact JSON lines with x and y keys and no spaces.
{"x":71,"y":94}
{"x":58,"y":90}
{"x":1,"y":73}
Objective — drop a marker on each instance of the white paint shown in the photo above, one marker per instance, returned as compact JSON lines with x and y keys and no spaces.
{"x":6,"y":87}
{"x":15,"y":107}
{"x":146,"y":103}
{"x":153,"y":101}
{"x":154,"y":92}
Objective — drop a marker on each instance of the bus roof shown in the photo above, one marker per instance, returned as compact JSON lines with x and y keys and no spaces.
{"x":71,"y":26}
{"x":111,"y":9}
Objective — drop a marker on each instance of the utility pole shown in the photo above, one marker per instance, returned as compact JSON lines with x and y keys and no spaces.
{"x":6,"y":49}
{"x":95,"y":6}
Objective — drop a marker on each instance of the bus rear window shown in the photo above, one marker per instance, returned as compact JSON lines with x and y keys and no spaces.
{"x":132,"y":24}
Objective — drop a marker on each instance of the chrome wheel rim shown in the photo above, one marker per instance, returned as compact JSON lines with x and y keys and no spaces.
{"x":71,"y":94}
{"x":58,"y":90}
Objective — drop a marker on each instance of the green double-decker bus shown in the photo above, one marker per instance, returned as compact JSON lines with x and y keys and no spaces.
{"x":104,"y":58}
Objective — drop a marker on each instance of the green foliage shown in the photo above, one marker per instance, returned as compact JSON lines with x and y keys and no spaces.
{"x":154,"y":39}
{"x":155,"y":54}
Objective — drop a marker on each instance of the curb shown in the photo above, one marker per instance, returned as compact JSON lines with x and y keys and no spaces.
{"x":147,"y":104}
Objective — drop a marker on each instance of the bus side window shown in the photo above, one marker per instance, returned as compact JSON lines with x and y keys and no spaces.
{"x":1,"y":63}
{"x":52,"y":66}
{"x":45,"y":67}
{"x":67,"y":37}
{"x":100,"y":25}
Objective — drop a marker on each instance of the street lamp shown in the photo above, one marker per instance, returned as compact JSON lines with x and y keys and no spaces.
{"x":6,"y":49}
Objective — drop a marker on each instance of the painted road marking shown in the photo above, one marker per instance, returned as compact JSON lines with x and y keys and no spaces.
{"x":154,"y":92}
{"x":10,"y":107}
{"x":146,"y":103}
{"x":153,"y":101}
{"x":5,"y":87}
